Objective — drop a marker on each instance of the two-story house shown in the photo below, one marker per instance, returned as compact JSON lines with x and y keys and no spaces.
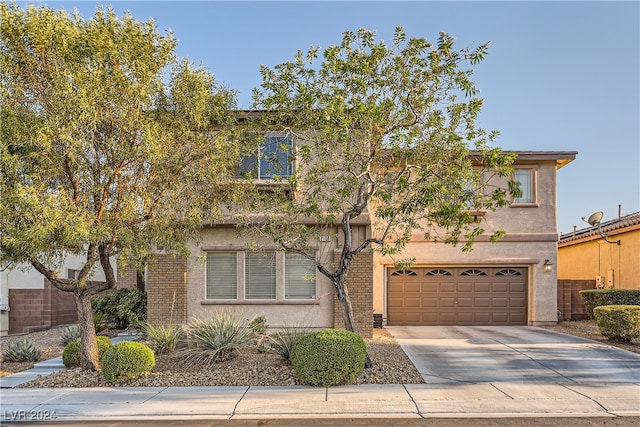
{"x":511,"y":282}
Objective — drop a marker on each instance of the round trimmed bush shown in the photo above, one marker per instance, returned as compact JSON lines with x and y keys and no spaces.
{"x":618,"y":322}
{"x":126,"y":360}
{"x":72,"y":353}
{"x":329,"y":357}
{"x":598,"y":297}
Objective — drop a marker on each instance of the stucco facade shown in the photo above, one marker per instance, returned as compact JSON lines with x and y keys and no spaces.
{"x":179,"y":291}
{"x":279,"y":312}
{"x":586,"y":255}
{"x":531,"y":239}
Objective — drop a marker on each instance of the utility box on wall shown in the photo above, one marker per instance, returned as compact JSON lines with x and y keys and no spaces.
{"x":4,"y":304}
{"x":599,"y":282}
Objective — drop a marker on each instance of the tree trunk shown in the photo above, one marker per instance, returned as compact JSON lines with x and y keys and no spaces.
{"x":90,"y":356}
{"x":345,"y":304}
{"x":347,"y":312}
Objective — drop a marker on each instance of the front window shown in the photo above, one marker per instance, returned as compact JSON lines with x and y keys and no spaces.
{"x":259,"y":275}
{"x":222,"y":279}
{"x":272,"y":160}
{"x":299,"y":277}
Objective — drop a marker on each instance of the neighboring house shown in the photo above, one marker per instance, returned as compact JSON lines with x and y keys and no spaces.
{"x":502,"y":283}
{"x":585,"y":255}
{"x":28,"y":301}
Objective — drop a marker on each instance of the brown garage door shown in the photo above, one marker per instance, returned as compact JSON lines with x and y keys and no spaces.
{"x":457,"y":296}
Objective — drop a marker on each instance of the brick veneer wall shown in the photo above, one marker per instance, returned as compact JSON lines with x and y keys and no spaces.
{"x":167,"y":290}
{"x":127,"y":277}
{"x":36,"y":309}
{"x":360,"y":287}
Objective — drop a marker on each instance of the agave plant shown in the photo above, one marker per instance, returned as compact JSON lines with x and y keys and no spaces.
{"x":21,"y":351}
{"x":70,"y":333}
{"x":218,"y":337}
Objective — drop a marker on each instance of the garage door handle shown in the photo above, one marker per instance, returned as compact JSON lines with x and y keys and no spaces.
{"x":456,"y":301}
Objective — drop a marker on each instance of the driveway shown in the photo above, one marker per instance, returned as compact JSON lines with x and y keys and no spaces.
{"x":513,"y":354}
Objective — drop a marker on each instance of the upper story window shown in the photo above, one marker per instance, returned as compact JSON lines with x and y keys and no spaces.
{"x":273,"y":158}
{"x":527,"y":179}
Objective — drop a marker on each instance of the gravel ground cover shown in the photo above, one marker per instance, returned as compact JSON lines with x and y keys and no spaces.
{"x":588,"y":329}
{"x":250,"y":367}
{"x":390,"y":366}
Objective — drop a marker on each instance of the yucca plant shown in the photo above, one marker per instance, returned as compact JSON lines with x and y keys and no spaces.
{"x":219,"y":337}
{"x":282,"y":341}
{"x":21,"y":351}
{"x":100,"y":322}
{"x":162,"y":339}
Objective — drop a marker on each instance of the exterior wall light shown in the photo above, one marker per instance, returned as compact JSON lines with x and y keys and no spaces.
{"x":547,"y":266}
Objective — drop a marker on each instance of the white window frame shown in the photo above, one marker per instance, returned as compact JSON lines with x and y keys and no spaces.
{"x":263,"y":283}
{"x":233,"y":270}
{"x":73,"y":274}
{"x":532,"y":201}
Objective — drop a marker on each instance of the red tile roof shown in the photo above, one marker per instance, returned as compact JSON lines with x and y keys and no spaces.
{"x":612,"y":226}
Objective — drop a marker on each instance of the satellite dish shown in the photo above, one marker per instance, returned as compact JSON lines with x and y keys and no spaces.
{"x":595,"y":219}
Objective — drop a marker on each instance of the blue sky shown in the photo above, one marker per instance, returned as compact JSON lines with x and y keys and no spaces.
{"x":560,"y":76}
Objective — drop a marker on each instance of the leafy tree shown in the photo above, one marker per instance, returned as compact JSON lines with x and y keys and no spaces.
{"x":381,"y":131}
{"x":106,"y":146}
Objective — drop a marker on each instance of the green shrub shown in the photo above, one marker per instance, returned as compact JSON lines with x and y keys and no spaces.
{"x":162,"y":339}
{"x":598,"y":297}
{"x":219,"y":337}
{"x":21,"y":351}
{"x":282,"y":341}
{"x":122,"y":307}
{"x":329,"y":357}
{"x":72,"y":353}
{"x":126,"y":360}
{"x":618,"y":322}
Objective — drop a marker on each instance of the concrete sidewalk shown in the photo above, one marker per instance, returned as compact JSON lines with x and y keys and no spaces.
{"x":364,"y":401}
{"x":533,"y":378}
